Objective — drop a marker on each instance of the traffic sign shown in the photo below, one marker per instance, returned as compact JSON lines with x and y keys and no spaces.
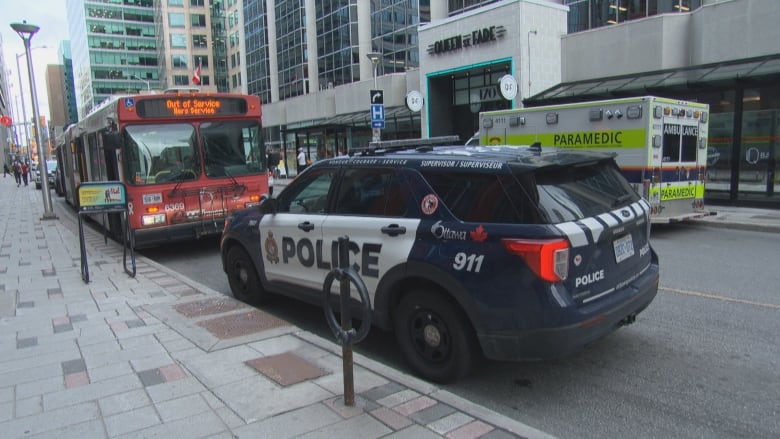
{"x":377,"y":97}
{"x":377,"y":112}
{"x":378,"y":124}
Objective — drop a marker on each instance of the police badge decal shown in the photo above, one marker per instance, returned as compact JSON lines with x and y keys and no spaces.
{"x":271,"y":249}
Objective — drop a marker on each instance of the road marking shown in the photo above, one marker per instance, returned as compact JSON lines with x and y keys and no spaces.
{"x":722,"y":298}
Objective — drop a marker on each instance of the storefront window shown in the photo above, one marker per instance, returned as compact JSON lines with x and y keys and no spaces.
{"x":758,"y":168}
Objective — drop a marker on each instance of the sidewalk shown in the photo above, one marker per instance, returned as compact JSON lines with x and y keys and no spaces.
{"x":159,"y":355}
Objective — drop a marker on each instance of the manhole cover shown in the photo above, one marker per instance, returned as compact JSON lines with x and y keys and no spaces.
{"x":236,"y":325}
{"x":208,"y":306}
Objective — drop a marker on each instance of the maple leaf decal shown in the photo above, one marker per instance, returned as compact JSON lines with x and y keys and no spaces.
{"x":479,"y":234}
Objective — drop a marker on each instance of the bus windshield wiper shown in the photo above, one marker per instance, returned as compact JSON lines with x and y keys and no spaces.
{"x":233,"y":179}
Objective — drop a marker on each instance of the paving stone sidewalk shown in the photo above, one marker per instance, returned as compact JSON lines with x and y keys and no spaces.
{"x":157,"y":355}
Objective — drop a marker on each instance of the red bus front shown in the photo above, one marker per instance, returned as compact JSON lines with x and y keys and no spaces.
{"x":188,"y":161}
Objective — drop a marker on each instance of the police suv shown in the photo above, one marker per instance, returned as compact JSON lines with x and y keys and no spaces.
{"x":507,"y":252}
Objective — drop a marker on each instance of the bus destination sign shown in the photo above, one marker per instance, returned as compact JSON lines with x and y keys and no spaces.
{"x":190,"y":106}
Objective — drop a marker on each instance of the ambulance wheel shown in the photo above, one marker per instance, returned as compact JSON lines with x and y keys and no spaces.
{"x":435,"y":337}
{"x":242,"y":276}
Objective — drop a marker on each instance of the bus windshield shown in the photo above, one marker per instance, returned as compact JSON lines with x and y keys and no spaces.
{"x":161,"y":153}
{"x":232,"y":149}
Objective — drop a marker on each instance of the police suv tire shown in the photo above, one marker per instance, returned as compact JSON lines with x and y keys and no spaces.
{"x":435,"y":337}
{"x":242,"y":277}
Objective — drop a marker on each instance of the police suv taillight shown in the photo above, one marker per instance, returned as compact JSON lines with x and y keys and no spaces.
{"x":547,"y":258}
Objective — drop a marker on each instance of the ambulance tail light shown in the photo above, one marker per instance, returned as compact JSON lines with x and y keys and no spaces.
{"x":547,"y":258}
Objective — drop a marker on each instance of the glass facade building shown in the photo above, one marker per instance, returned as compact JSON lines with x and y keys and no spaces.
{"x":292,"y":50}
{"x":590,"y":14}
{"x":115,"y":48}
{"x":338,"y":61}
{"x":394,"y":32}
{"x":258,"y":75}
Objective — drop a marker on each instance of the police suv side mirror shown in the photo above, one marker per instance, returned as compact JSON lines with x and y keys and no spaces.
{"x":268,"y":204}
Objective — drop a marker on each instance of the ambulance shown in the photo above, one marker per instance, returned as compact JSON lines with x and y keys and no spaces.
{"x":660,"y":144}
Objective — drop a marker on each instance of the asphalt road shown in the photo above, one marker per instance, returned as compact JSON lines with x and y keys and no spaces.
{"x":702,"y":361}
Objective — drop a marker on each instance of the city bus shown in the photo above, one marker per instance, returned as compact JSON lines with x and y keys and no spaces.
{"x":660,"y":144}
{"x":187,"y":160}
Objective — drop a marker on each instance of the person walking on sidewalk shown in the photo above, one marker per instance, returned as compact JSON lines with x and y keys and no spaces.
{"x":6,"y":171}
{"x":25,"y":172}
{"x":18,"y":173}
{"x":302,"y":162}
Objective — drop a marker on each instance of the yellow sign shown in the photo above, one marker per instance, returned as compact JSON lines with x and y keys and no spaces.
{"x":678,"y":192}
{"x":636,"y":138}
{"x":97,"y":196}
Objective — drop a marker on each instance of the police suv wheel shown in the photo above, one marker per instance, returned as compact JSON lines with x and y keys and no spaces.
{"x":435,"y":337}
{"x":242,"y":276}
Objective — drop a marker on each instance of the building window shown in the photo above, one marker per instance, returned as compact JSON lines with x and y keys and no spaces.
{"x":176,"y":19}
{"x":175,"y":2}
{"x":205,"y":80}
{"x":181,"y":80}
{"x":179,"y":61}
{"x":178,"y":41}
{"x":198,"y":20}
{"x":197,"y":3}
{"x":199,"y":41}
{"x":201,"y":60}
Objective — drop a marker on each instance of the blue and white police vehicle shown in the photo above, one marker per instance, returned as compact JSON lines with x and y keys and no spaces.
{"x":508,"y":253}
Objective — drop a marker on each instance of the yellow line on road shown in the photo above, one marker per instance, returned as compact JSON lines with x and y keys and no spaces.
{"x":722,"y":298}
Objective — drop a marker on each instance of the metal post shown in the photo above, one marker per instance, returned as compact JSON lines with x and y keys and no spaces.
{"x":24,"y":111}
{"x":375,"y":57}
{"x":148,"y":87}
{"x":26,"y":32}
{"x":529,"y":60}
{"x":346,"y":325}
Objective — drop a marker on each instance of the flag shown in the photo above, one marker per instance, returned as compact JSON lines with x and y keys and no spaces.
{"x":196,"y":74}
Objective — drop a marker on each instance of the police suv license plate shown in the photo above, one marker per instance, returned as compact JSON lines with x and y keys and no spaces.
{"x":624,"y":248}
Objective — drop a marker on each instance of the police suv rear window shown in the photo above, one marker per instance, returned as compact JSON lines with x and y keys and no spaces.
{"x":576,"y":192}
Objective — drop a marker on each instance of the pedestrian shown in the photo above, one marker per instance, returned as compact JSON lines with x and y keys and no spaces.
{"x":302,"y":162}
{"x":6,"y":171}
{"x":18,"y":173}
{"x":25,"y":170}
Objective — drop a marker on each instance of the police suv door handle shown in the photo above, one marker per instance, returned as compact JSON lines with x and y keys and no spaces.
{"x":393,"y":230}
{"x":306,"y":226}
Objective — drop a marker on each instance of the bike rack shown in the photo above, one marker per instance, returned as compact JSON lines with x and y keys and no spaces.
{"x":105,"y":197}
{"x":345,"y":334}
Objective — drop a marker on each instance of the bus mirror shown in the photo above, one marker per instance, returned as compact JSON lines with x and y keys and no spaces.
{"x":112,"y":140}
{"x":273,"y":159}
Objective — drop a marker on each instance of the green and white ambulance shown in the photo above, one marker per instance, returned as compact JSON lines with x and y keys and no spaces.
{"x":660,"y":144}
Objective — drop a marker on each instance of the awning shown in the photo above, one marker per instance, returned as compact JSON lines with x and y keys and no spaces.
{"x":723,"y":74}
{"x":359,"y":119}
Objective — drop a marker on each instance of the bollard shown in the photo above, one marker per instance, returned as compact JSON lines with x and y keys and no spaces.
{"x":345,"y":333}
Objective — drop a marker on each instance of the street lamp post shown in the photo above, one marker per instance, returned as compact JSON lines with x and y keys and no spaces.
{"x":26,"y":32}
{"x":529,"y":59}
{"x":148,"y":87}
{"x":375,"y":57}
{"x":24,"y":109}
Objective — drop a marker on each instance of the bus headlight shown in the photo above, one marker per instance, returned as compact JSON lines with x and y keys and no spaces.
{"x":152,"y":220}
